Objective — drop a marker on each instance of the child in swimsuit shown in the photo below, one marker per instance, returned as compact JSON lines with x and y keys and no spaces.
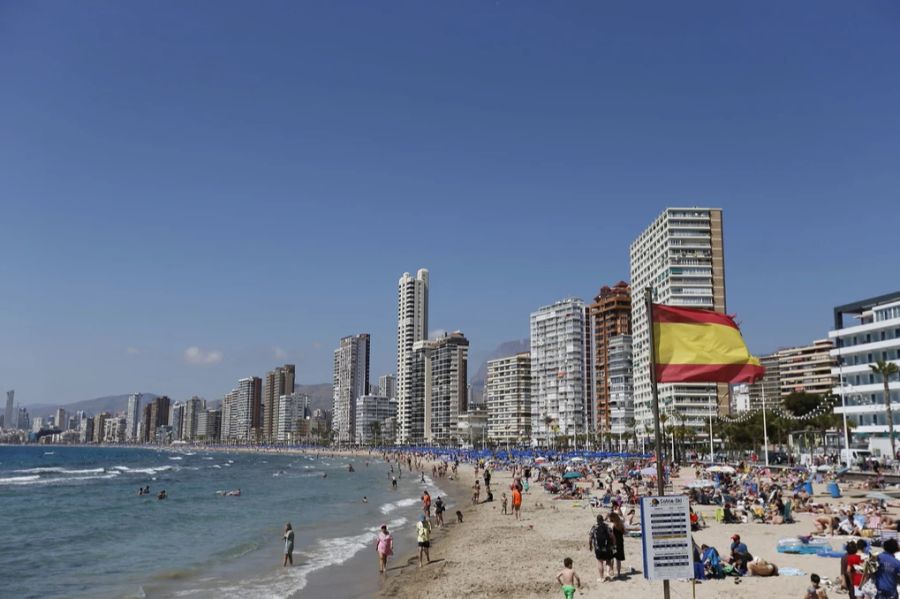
{"x":568,"y":579}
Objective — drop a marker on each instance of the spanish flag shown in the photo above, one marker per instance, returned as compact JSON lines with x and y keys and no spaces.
{"x":700,"y":346}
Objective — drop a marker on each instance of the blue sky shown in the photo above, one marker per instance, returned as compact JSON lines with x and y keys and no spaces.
{"x":251,"y":179}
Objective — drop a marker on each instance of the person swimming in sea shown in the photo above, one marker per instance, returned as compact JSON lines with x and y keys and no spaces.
{"x":365,"y":499}
{"x":162,"y":495}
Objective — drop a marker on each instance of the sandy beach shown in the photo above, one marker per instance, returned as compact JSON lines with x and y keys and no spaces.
{"x":492,"y":555}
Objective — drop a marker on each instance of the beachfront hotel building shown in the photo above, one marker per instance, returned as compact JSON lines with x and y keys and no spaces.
{"x":681,"y":256}
{"x":607,"y":318}
{"x":439,"y":392}
{"x":374,"y":416}
{"x":61,"y":420}
{"x":351,"y":381}
{"x":292,"y":411}
{"x":865,"y":332}
{"x":133,"y":417}
{"x":806,"y":369}
{"x":412,"y":327}
{"x":278,"y":381}
{"x":620,"y":379}
{"x":387,"y":386}
{"x":241,"y":411}
{"x":557,"y":372}
{"x":508,"y":396}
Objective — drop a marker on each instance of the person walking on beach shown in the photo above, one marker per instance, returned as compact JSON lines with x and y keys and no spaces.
{"x":568,"y":578}
{"x":426,"y":504}
{"x":517,"y":502}
{"x":423,"y":538}
{"x":439,"y":508}
{"x":384,"y":545}
{"x":618,"y":529}
{"x":602,"y":542}
{"x":288,"y":545}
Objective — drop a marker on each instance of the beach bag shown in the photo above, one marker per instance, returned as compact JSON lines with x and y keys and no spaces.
{"x":869,"y":568}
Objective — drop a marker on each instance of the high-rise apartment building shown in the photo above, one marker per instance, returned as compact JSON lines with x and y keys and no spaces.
{"x":100,"y":419}
{"x":193,"y":408}
{"x":373,"y":418}
{"x":387,"y":386}
{"x":132,"y":417}
{"x":61,"y":420}
{"x":865,"y":332}
{"x":209,"y":426}
{"x":292,"y":409}
{"x":156,"y":414}
{"x":8,"y":414}
{"x":412,"y":327}
{"x":681,"y":257}
{"x":807,"y":369}
{"x":620,"y":381}
{"x":608,"y":317}
{"x":176,"y":421}
{"x":241,"y":411}
{"x":439,"y":394}
{"x":278,"y":382}
{"x":508,"y":397}
{"x":351,"y":381}
{"x":557,"y":371}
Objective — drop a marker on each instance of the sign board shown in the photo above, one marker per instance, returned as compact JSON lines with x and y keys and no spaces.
{"x":666,"y":537}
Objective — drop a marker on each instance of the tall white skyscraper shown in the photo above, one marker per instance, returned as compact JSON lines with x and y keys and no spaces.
{"x":557,"y":371}
{"x":681,"y":256}
{"x":292,"y":409}
{"x":387,"y":386}
{"x":508,"y":398}
{"x":412,"y":327}
{"x":8,"y":414}
{"x":133,"y":417}
{"x":351,"y":381}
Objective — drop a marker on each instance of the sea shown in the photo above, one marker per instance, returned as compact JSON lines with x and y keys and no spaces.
{"x":74,"y":525}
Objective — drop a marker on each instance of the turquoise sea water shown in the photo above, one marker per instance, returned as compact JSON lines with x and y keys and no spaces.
{"x":74,"y":524}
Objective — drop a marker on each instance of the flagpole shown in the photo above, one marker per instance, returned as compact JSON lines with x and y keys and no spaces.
{"x":660,"y":483}
{"x":765,"y":430}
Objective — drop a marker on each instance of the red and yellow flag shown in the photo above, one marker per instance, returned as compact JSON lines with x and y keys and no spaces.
{"x":700,"y":346}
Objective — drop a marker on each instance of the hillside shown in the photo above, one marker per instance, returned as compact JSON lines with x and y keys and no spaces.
{"x":107,"y":403}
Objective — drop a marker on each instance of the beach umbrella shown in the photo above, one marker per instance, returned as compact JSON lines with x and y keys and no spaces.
{"x":572,"y":475}
{"x":648,"y":472}
{"x":576,"y":459}
{"x":539,"y":460}
{"x":878,"y":495}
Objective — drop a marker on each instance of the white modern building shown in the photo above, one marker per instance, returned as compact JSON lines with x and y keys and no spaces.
{"x":292,"y":408}
{"x":387,"y":386}
{"x":621,"y":386}
{"x":508,"y":393}
{"x":241,"y":410}
{"x":374,"y":415}
{"x":412,"y":327}
{"x":865,"y":332}
{"x":133,"y":417}
{"x":681,"y":257}
{"x":351,"y":381}
{"x":557,"y":372}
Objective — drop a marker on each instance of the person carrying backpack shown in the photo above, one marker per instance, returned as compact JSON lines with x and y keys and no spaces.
{"x":602,"y":542}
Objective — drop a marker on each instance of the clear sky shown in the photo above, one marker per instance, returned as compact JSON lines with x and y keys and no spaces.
{"x":192,"y":192}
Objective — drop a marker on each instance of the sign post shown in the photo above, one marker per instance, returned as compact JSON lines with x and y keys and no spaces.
{"x":666,"y":537}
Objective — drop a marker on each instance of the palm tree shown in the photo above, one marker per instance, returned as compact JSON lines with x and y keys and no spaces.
{"x":886,"y":370}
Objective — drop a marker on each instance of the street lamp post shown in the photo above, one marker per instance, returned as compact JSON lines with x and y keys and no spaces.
{"x":307,"y":430}
{"x":843,"y":405}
